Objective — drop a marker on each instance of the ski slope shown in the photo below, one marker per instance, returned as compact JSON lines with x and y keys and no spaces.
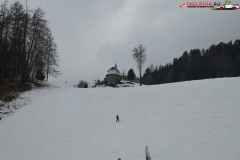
{"x":195,"y":120}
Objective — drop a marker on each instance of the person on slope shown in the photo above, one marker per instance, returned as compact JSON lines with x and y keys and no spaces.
{"x":117,"y":119}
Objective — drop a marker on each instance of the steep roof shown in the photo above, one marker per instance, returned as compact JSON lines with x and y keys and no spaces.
{"x":113,"y":68}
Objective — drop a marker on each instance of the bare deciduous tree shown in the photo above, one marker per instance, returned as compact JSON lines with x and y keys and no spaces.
{"x":140,"y":57}
{"x":123,"y":72}
{"x":151,"y":68}
{"x":26,"y":43}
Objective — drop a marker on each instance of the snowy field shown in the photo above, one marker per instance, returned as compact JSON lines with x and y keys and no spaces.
{"x":196,"y":120}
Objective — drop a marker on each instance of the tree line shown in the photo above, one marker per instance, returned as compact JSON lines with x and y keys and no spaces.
{"x":27,"y":46}
{"x":222,"y":60}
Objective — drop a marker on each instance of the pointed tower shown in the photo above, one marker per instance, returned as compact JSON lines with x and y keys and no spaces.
{"x":113,"y":76}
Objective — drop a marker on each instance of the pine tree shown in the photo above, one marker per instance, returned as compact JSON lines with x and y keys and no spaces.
{"x":131,"y":75}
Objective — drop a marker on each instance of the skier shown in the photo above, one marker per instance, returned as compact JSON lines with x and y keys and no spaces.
{"x":117,"y":119}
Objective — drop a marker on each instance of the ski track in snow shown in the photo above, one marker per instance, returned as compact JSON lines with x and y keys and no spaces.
{"x":183,"y":121}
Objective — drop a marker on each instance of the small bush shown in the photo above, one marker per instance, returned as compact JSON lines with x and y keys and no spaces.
{"x":39,"y":85}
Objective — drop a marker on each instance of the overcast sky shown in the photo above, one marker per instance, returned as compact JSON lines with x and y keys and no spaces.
{"x":92,"y":34}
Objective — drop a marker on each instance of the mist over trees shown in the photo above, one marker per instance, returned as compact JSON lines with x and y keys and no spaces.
{"x":222,"y":60}
{"x":27,"y":46}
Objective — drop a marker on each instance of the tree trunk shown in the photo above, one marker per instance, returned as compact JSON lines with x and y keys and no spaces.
{"x":47,"y":69}
{"x":4,"y":51}
{"x":24,"y":52}
{"x":1,"y":39}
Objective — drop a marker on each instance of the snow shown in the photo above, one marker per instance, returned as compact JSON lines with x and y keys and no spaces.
{"x":124,"y":84}
{"x":183,"y":121}
{"x":24,"y":99}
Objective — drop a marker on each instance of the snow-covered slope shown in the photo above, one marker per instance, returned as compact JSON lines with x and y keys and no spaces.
{"x":178,"y":121}
{"x":25,"y":98}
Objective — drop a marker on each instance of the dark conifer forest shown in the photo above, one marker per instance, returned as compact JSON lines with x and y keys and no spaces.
{"x":26,"y":43}
{"x":222,"y":60}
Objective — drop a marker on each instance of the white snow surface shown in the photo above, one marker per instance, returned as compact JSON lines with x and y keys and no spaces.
{"x":124,"y":84}
{"x":178,"y":121}
{"x":25,"y":98}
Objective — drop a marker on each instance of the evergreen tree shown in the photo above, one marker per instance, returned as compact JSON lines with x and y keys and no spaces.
{"x":222,"y":60}
{"x":147,"y":71}
{"x":131,"y":75}
{"x":39,"y":75}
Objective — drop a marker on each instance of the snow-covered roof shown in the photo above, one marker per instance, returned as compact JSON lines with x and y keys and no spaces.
{"x":113,"y":68}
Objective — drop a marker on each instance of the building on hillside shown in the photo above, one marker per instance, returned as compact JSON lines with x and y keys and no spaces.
{"x":113,"y":76}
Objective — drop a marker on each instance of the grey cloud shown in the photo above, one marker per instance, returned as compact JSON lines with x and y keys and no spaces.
{"x":92,"y":34}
